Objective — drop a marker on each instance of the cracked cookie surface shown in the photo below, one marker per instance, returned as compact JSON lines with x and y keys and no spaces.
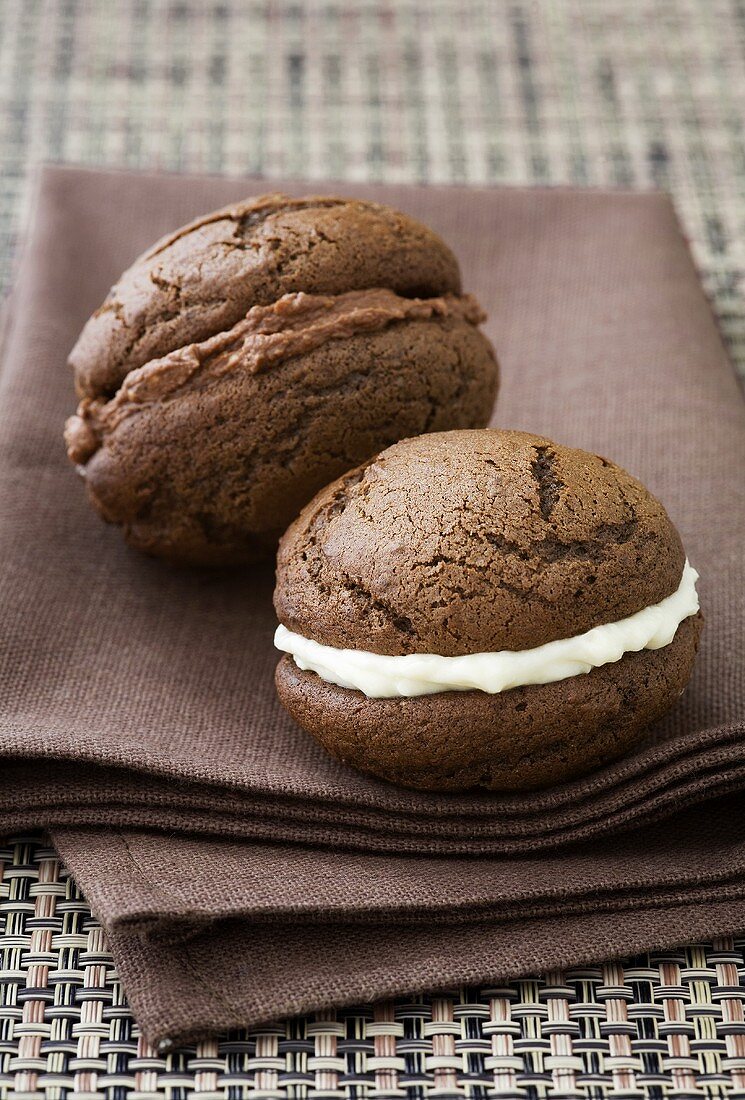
{"x":478,"y":541}
{"x":254,"y":355}
{"x":474,"y":541}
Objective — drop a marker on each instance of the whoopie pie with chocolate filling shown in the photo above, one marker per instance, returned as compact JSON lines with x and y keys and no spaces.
{"x":254,"y":355}
{"x":483,"y":609}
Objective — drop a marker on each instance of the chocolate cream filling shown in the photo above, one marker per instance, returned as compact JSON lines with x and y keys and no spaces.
{"x":267,"y":336}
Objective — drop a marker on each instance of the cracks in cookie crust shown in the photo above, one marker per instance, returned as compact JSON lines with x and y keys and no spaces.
{"x":243,"y":216}
{"x":549,"y":484}
{"x":370,"y":604}
{"x":613,"y":552}
{"x":252,"y":219}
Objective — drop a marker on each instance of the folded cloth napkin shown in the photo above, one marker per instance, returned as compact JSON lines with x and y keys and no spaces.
{"x":212,"y":933}
{"x":139,"y":722}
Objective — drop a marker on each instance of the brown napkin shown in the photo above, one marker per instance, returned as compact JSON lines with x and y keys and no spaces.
{"x":138,"y":697}
{"x":277,"y":929}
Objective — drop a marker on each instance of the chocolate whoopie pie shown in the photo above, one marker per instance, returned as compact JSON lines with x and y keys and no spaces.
{"x":483,"y":609}
{"x":254,"y":355}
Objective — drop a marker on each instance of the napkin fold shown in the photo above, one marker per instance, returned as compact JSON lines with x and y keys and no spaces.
{"x":239,"y":872}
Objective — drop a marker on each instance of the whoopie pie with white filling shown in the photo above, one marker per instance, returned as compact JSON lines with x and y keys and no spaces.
{"x":483,"y":608}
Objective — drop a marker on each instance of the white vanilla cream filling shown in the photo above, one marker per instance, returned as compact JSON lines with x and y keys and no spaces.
{"x":383,"y":677}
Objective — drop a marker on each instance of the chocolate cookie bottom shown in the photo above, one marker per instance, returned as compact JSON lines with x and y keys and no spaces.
{"x":525,"y":738}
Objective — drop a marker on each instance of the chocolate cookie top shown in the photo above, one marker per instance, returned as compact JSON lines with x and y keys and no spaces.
{"x":202,"y":279}
{"x":474,"y":541}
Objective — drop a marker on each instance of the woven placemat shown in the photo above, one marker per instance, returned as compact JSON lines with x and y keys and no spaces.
{"x":634,"y":93}
{"x":662,"y":1024}
{"x":631,"y":93}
